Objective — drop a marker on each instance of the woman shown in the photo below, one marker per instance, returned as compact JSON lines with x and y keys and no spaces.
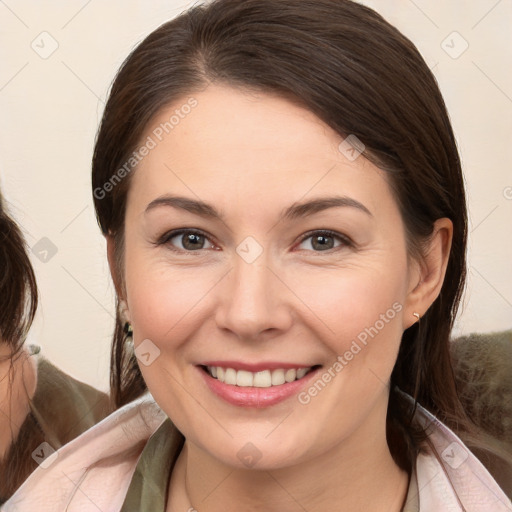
{"x":41,"y":408}
{"x":283,"y":204}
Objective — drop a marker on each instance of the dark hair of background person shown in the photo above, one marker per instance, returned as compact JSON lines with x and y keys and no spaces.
{"x":18,"y":306}
{"x":61,"y":407}
{"x":343,"y":62}
{"x":18,"y":288}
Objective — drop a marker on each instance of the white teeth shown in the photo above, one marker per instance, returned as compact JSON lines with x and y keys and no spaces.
{"x":277,"y":377}
{"x":290,"y":375}
{"x":230,"y":376}
{"x":244,"y":378}
{"x":301,"y":372}
{"x":262,"y":379}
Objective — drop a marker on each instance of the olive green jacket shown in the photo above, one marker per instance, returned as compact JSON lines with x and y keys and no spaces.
{"x":61,"y":409}
{"x":124,"y":463}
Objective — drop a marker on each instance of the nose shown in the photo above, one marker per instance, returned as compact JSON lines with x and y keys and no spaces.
{"x":253,"y":301}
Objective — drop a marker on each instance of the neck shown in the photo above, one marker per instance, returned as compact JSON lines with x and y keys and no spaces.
{"x":17,"y":386}
{"x":357,"y":474}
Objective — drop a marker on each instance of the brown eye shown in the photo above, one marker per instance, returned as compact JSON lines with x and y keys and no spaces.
{"x":325,"y":240}
{"x":185,"y":240}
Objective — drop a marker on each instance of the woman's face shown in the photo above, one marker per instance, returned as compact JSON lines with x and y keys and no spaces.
{"x":259,"y":289}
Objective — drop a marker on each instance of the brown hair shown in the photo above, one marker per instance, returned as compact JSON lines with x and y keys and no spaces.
{"x":18,"y":305}
{"x":358,"y":74}
{"x":18,"y":288}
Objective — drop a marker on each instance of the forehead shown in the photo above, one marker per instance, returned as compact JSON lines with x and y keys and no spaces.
{"x":249,"y":147}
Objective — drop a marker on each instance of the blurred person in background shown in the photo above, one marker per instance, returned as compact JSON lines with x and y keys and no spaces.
{"x":482,"y":365}
{"x":38,"y":402}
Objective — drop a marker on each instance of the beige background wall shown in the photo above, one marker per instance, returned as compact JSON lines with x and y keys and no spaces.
{"x":50,"y":106}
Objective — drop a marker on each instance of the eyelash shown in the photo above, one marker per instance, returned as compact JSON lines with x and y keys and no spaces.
{"x":346,"y":242}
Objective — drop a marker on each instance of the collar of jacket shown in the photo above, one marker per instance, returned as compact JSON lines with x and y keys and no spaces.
{"x":94,"y":471}
{"x":450,"y":478}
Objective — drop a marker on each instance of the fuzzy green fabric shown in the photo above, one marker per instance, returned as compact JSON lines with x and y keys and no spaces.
{"x":61,"y":409}
{"x":483,"y":371}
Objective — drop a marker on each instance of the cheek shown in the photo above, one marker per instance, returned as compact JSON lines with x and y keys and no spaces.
{"x":168,"y":303}
{"x":163,"y":301}
{"x":362,"y":317}
{"x":356,"y":303}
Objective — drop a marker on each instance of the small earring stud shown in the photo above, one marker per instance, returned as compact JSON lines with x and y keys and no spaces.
{"x":417,"y":315}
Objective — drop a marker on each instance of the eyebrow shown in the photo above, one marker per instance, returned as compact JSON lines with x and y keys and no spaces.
{"x":295,"y":211}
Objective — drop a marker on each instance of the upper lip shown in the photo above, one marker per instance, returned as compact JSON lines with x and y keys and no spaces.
{"x":256,"y":367}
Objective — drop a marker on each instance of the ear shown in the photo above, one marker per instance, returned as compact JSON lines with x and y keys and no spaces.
{"x":426,"y":276}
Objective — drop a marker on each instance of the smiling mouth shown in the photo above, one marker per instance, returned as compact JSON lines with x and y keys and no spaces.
{"x":261,"y":379}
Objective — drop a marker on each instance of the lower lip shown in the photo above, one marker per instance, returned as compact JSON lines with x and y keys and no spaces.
{"x":255,"y":397}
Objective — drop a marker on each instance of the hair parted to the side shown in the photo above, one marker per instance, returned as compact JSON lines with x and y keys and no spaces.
{"x":18,"y":288}
{"x":357,"y":73}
